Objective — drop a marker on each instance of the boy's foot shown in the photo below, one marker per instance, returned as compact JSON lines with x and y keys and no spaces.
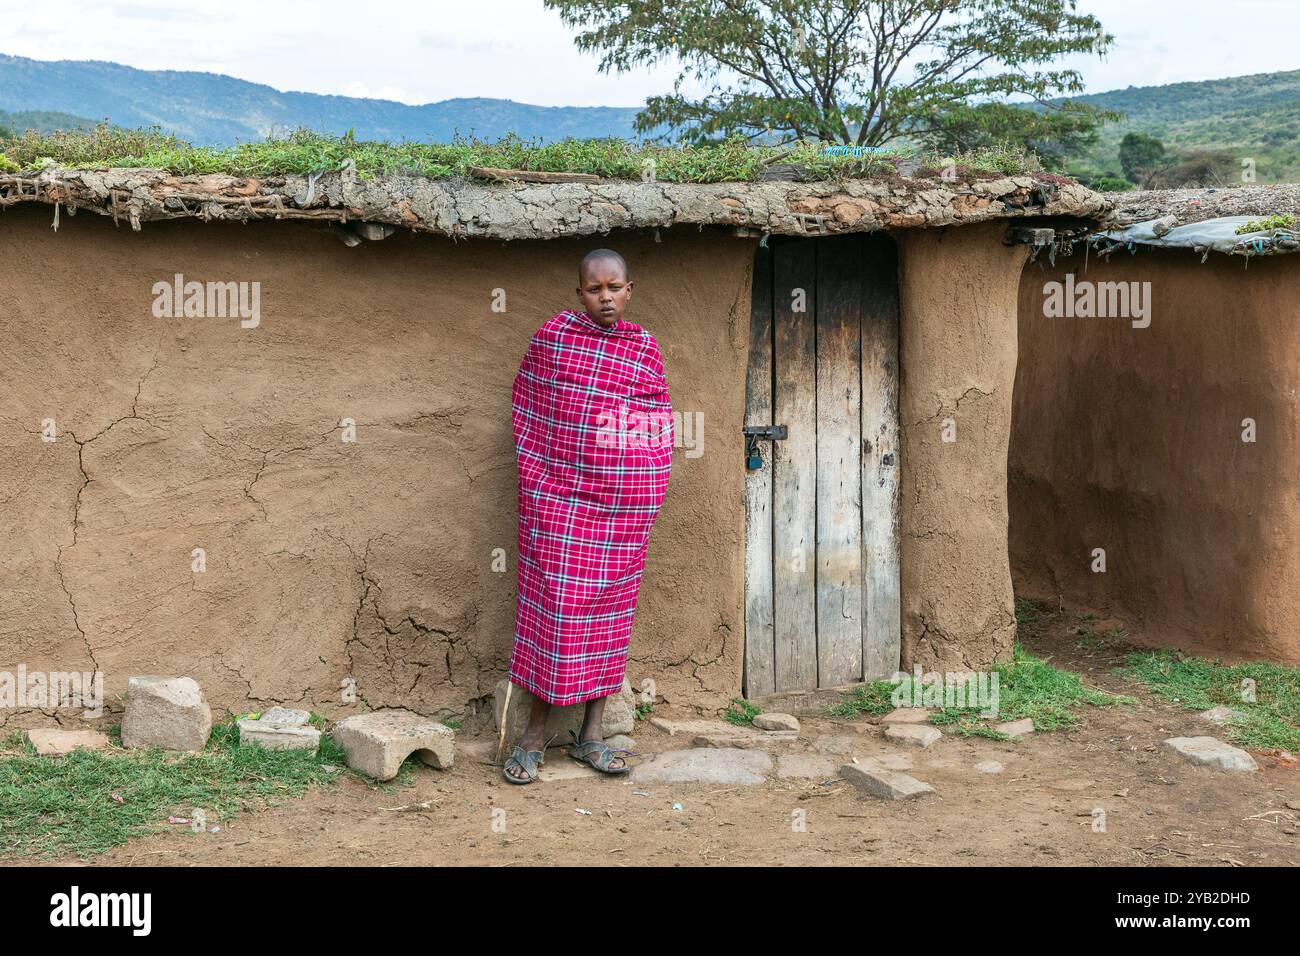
{"x":600,"y":757}
{"x":528,"y":744}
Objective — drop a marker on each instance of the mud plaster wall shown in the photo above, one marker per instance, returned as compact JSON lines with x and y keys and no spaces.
{"x":1130,"y":439}
{"x":957,"y":345}
{"x":328,"y":559}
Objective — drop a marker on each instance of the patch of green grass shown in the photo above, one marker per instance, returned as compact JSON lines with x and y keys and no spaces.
{"x":1283,"y":221}
{"x":644,"y":709}
{"x":304,"y":152}
{"x":1272,"y":720}
{"x":66,"y":805}
{"x":1027,"y":687}
{"x":746,"y":713}
{"x":871,"y":699}
{"x":453,"y":722}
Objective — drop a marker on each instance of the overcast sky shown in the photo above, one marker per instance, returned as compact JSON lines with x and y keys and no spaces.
{"x":430,"y":50}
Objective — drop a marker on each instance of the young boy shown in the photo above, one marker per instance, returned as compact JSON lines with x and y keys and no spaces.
{"x":593,"y":436}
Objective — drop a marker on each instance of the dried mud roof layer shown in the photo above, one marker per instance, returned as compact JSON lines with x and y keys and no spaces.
{"x":1198,"y":205}
{"x":526,"y":210}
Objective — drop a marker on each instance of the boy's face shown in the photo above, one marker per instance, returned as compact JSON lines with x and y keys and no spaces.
{"x":605,"y":291}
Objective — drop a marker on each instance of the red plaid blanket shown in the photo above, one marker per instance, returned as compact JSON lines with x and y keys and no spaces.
{"x":594,"y":440}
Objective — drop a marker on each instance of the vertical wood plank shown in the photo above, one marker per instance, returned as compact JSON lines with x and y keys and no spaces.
{"x":839,"y":460}
{"x":760,"y":646}
{"x":794,"y":498}
{"x":881,"y":466}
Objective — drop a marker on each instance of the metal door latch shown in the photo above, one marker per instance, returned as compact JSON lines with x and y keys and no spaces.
{"x":752,"y":433}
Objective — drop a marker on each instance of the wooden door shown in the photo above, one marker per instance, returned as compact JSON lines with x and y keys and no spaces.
{"x":822,"y":598}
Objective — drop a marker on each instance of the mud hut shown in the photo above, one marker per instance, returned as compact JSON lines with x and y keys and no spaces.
{"x":259,"y":433}
{"x":1154,"y":450}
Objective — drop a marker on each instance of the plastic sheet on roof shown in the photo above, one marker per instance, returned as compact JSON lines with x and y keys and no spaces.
{"x":1219,"y":235}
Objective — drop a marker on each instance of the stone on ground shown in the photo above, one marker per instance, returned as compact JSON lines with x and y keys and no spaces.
{"x":907,"y":715}
{"x":837,"y":744}
{"x":804,"y":766}
{"x":913,"y":734}
{"x":744,"y":737}
{"x":870,"y":777}
{"x":1220,"y":715}
{"x":705,"y":765}
{"x":989,"y":766}
{"x":621,"y":742}
{"x":274,"y":736}
{"x":619,"y":716}
{"x":1016,"y":728}
{"x":166,"y":712}
{"x":285,"y":717}
{"x":890,"y":761}
{"x":378,"y":743}
{"x":55,"y":742}
{"x":777,"y":722}
{"x":1212,"y":752}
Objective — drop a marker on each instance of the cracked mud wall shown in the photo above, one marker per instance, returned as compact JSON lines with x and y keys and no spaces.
{"x":957,"y":344}
{"x":1130,"y":439}
{"x":328,"y":559}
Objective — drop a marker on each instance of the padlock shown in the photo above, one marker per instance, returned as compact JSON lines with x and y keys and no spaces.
{"x":753,"y":459}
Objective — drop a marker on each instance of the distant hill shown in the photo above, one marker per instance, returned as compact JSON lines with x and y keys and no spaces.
{"x":43,"y":121}
{"x":1255,"y":117}
{"x":209,"y":109}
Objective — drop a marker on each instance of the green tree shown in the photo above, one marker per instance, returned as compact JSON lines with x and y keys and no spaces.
{"x":1054,"y":134}
{"x":853,"y":71}
{"x":1141,"y":157}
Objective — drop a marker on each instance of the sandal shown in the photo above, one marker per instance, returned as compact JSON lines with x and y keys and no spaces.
{"x":597,"y":753}
{"x":525,"y":760}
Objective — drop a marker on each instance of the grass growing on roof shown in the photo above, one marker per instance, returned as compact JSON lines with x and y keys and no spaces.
{"x":65,"y":805}
{"x":1273,"y":720}
{"x":304,"y":152}
{"x":1283,"y":221}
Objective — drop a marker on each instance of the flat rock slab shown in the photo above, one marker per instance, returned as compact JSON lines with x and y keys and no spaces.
{"x":721,"y":733}
{"x":837,"y":744}
{"x":747,"y":741}
{"x":989,"y":766}
{"x":1016,"y":728}
{"x":914,"y":735}
{"x":1212,"y":752}
{"x":378,"y":743}
{"x":881,"y":782}
{"x":777,"y":722}
{"x":56,"y":743}
{"x":285,"y":717}
{"x":890,"y":761}
{"x":619,"y":716}
{"x":907,"y":715}
{"x":705,"y":765}
{"x":561,"y":767}
{"x":1220,"y":715}
{"x":805,"y":767}
{"x":273,"y":736}
{"x":166,"y":712}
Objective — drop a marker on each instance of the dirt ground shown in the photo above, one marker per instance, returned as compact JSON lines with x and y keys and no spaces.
{"x":1160,"y":810}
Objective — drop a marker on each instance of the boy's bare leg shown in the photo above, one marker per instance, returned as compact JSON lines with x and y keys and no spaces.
{"x":534,"y":737}
{"x":591,"y":722}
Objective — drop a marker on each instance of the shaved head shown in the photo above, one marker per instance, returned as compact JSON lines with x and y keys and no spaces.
{"x":596,"y":254}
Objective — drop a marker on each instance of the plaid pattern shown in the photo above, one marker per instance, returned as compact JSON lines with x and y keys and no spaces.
{"x":593,"y":436}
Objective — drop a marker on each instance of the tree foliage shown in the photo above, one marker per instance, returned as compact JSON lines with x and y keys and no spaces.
{"x":865,"y":72}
